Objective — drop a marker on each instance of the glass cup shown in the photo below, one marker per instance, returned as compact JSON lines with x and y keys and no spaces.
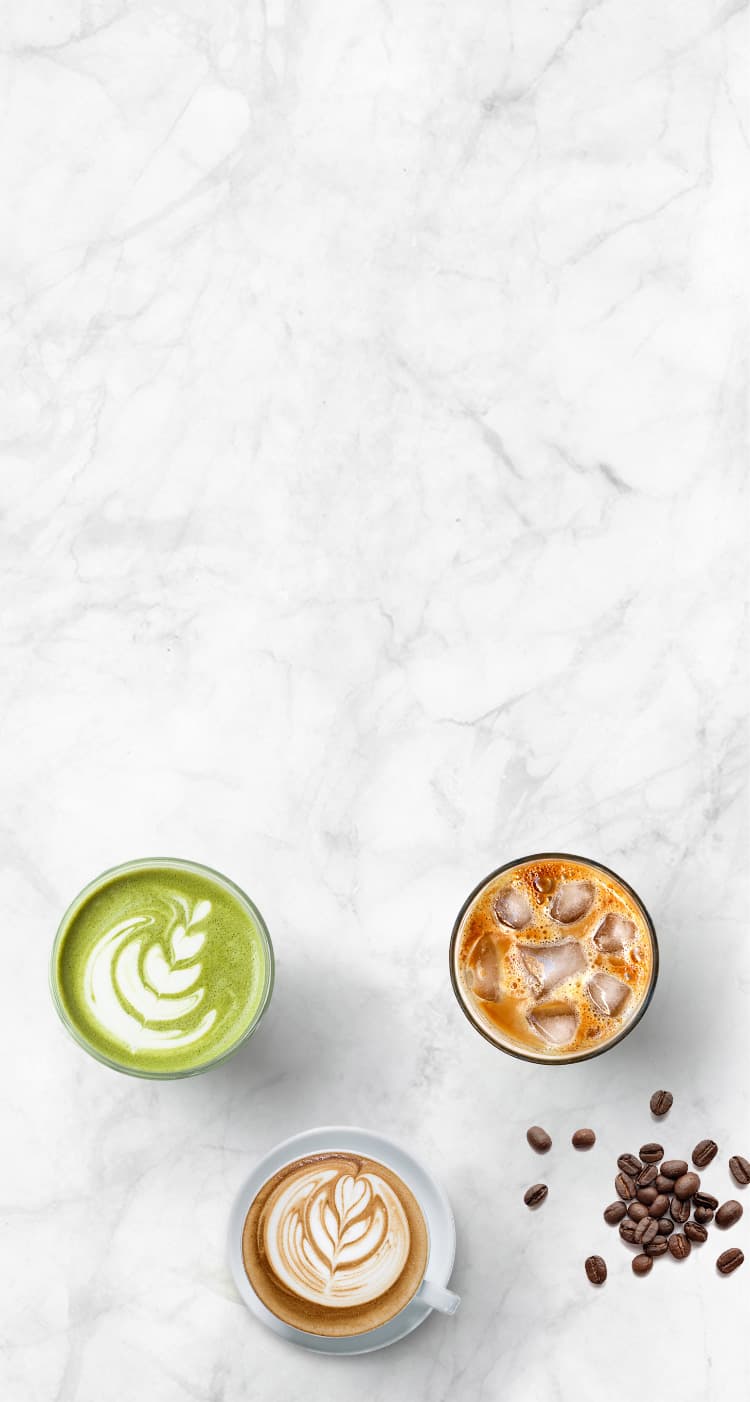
{"x":212,"y":878}
{"x":584,"y":1053}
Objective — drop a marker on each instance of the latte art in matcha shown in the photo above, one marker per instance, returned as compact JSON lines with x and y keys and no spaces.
{"x":161,"y":968}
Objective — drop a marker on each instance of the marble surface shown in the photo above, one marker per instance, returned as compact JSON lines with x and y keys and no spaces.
{"x":373,"y":394}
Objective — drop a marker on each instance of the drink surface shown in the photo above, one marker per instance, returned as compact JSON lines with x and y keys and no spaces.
{"x":160,"y":968}
{"x":553,"y":958}
{"x":335,"y":1244}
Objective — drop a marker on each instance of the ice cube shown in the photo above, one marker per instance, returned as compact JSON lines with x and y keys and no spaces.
{"x":609,"y":995}
{"x":556,"y":1023}
{"x":614,"y":934}
{"x":483,"y":970}
{"x":572,"y":901}
{"x":546,"y":965}
{"x":512,"y":908}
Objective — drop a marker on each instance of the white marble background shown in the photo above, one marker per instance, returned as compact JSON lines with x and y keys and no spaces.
{"x":373,"y":392}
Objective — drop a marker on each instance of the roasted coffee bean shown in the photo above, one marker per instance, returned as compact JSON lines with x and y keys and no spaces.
{"x":730,"y":1260}
{"x":641,"y":1265}
{"x":659,"y":1206}
{"x":627,"y":1229}
{"x":539,"y":1139}
{"x":704,"y":1152}
{"x":624,"y":1186}
{"x":674,"y":1168}
{"x":695,"y":1232}
{"x":685,"y":1186}
{"x":596,"y":1269}
{"x":615,"y":1212}
{"x":535,"y":1194}
{"x":740,"y":1170}
{"x":657,"y":1247}
{"x":651,"y":1153}
{"x":647,"y":1175}
{"x":628,"y":1163}
{"x":646,"y":1231}
{"x":702,"y":1199}
{"x":637,"y":1210}
{"x":647,"y":1195}
{"x":703,"y":1214}
{"x":679,"y":1246}
{"x":583,"y":1139}
{"x":666,"y":1226}
{"x":661,"y":1102}
{"x":680,"y":1210}
{"x":729,"y":1213}
{"x":664,"y":1184}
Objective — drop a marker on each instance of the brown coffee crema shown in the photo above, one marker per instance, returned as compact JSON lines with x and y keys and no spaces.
{"x":335,"y":1244}
{"x":553,"y":958}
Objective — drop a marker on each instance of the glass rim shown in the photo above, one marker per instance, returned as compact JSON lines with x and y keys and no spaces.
{"x":181,"y":864}
{"x":594,"y":1051}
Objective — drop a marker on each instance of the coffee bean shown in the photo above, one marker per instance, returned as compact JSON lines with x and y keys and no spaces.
{"x":536,"y":1194}
{"x":647,"y":1175}
{"x":596,"y":1269}
{"x":624,"y":1186}
{"x":628,"y":1163}
{"x":702,"y":1199}
{"x":637,"y":1210}
{"x":641,"y":1265}
{"x":729,"y":1260}
{"x":679,"y":1246}
{"x":703,"y":1214}
{"x":674,"y":1168}
{"x":729,"y":1213}
{"x":740,"y":1169}
{"x":659,"y":1206}
{"x":651,"y":1153}
{"x":646,"y":1231}
{"x":657,"y":1247}
{"x":539,"y":1139}
{"x":704,"y":1152}
{"x":680,"y":1210}
{"x":661,"y":1102}
{"x":694,"y":1231}
{"x":666,"y":1226}
{"x":627,"y":1229}
{"x":647,"y":1195}
{"x":664,"y":1184}
{"x":615,"y":1212}
{"x":685,"y":1186}
{"x":583,"y":1139}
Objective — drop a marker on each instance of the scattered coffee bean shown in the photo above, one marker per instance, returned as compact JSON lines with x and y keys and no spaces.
{"x":536,"y":1194}
{"x":666,"y":1226}
{"x":661,"y":1102}
{"x":651,"y":1153}
{"x":615,"y":1212}
{"x":646,"y":1231}
{"x":694,"y":1231}
{"x":624,"y":1186}
{"x":664,"y":1184}
{"x":657,"y":1247}
{"x":539,"y":1139}
{"x":637,"y":1210}
{"x":729,"y":1213}
{"x":679,"y":1246}
{"x":685,"y":1186}
{"x":729,"y":1260}
{"x":704,"y":1152}
{"x":647,"y":1195}
{"x":659,"y":1206}
{"x":740,"y":1170}
{"x":647,"y":1175}
{"x":680,"y":1210}
{"x":703,"y":1214}
{"x":596,"y":1269}
{"x":674,"y":1168}
{"x":702,"y":1199}
{"x":583,"y":1139}
{"x":628,"y":1163}
{"x":627,"y":1229}
{"x":641,"y":1265}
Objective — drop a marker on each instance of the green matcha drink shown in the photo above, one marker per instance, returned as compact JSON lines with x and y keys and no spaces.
{"x":161,"y":968}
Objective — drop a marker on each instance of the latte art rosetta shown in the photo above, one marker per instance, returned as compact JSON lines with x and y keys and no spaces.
{"x":334,"y":1237}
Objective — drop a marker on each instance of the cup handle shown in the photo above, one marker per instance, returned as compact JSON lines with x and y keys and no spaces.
{"x":436,"y":1297}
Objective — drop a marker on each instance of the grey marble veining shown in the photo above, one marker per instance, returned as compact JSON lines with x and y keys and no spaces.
{"x":374,"y":510}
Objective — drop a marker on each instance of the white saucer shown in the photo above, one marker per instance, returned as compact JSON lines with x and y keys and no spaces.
{"x":431,"y":1198}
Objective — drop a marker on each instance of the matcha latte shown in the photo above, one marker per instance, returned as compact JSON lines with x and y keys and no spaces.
{"x":161,"y":968}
